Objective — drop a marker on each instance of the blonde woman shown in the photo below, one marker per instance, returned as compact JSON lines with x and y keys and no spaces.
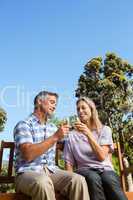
{"x":88,"y":150}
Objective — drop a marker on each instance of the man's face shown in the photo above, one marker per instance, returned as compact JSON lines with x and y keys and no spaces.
{"x":48,"y":105}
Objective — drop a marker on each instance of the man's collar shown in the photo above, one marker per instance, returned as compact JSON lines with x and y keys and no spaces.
{"x":36,"y":119}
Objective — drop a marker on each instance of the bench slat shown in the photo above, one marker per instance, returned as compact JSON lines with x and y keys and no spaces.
{"x":13,"y":196}
{"x":6,"y":179}
{"x":129,"y":195}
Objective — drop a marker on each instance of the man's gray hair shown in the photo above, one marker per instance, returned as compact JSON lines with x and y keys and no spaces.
{"x":43,"y":94}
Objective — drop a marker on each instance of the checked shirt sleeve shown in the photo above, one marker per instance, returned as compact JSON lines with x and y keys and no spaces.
{"x":22,"y":133}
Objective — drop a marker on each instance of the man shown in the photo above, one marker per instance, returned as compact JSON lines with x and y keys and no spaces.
{"x":35,"y":143}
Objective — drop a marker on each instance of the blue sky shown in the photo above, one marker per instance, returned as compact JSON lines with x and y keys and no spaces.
{"x":44,"y":44}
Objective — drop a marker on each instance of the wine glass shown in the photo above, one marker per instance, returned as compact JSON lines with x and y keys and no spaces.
{"x":73,"y":120}
{"x":65,"y":121}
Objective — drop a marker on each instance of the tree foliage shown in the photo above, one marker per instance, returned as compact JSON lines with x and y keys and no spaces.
{"x":3,"y":119}
{"x":109,"y":82}
{"x":6,"y":187}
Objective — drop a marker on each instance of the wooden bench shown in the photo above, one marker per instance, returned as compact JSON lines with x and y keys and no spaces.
{"x":9,"y":178}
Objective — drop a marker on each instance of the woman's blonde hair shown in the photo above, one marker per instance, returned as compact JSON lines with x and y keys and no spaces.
{"x":94,"y":114}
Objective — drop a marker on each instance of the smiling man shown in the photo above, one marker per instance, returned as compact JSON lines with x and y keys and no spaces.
{"x":35,"y":143}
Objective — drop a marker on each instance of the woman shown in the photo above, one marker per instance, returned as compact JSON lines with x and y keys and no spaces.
{"x":88,"y":150}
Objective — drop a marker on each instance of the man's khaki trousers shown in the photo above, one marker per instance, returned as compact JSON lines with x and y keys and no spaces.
{"x":42,"y":186}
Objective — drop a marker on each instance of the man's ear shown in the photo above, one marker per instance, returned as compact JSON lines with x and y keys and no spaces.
{"x":39,"y":102}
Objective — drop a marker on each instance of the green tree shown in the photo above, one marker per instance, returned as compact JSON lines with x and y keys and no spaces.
{"x":55,"y":120}
{"x":3,"y":119}
{"x":109,"y":82}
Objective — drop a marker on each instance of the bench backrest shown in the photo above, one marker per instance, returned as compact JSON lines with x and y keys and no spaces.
{"x":9,"y":178}
{"x":124,"y":171}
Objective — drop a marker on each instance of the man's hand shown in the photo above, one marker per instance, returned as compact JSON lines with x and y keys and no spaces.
{"x":62,"y":131}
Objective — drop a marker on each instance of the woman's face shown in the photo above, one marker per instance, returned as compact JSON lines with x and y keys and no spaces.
{"x":83,"y":111}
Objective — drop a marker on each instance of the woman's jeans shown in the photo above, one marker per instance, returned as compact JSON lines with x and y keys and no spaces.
{"x":102,"y":185}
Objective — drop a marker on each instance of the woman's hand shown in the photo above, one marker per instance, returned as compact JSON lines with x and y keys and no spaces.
{"x":81,"y":127}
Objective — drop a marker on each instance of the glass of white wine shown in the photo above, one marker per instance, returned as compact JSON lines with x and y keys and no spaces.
{"x":73,"y":120}
{"x":65,"y":121}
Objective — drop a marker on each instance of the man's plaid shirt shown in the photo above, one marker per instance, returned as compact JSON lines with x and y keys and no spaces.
{"x":31,"y":131}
